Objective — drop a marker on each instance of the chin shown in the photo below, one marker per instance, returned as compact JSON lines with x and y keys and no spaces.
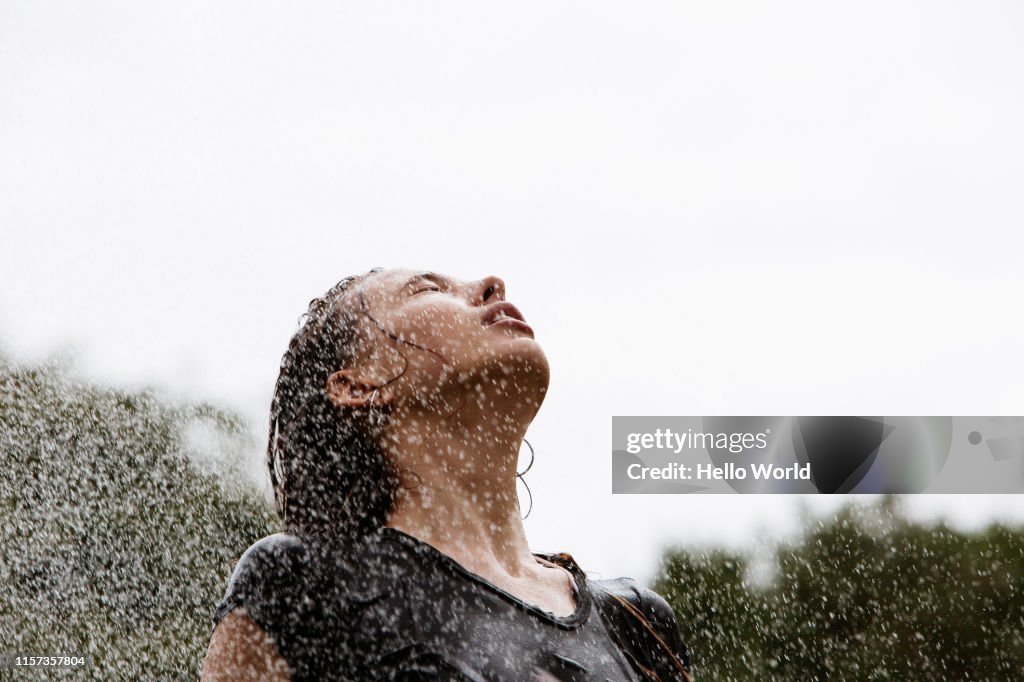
{"x":521,"y":359}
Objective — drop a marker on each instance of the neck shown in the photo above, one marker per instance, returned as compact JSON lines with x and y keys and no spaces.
{"x":459,"y":488}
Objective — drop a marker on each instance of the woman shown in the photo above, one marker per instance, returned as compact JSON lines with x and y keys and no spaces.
{"x":396,"y":425}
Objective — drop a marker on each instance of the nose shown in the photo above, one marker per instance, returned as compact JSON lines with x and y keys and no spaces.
{"x":490,"y":289}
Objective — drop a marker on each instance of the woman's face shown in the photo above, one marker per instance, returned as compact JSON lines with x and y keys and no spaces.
{"x":461,"y":339}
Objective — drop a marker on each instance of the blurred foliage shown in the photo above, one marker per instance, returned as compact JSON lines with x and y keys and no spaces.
{"x":866,"y":595}
{"x":121,"y":516}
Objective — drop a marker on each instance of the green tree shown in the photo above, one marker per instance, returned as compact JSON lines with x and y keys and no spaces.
{"x":122,"y":516}
{"x":866,"y":595}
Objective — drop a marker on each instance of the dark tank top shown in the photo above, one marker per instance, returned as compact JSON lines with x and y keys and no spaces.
{"x":392,"y":607}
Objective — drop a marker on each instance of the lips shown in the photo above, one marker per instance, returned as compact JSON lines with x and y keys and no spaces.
{"x":502,"y":310}
{"x":505,"y":314}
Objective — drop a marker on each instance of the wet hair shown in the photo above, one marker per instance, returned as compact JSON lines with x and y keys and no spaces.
{"x":327,"y":472}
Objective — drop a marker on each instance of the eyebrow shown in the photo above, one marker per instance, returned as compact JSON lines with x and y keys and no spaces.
{"x":432,"y":276}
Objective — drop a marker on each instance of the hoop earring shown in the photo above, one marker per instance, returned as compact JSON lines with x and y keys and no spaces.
{"x":277,"y":471}
{"x":523,"y":472}
{"x":520,"y":474}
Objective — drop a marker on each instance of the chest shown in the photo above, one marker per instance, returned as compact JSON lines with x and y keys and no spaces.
{"x":477,"y":636}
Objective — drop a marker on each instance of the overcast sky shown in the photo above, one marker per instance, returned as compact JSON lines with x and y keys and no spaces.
{"x":701,"y":208}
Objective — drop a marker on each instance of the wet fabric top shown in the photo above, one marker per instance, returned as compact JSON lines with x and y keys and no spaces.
{"x":393,"y":607}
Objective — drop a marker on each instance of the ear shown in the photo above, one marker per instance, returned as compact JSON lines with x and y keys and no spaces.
{"x":349,"y":388}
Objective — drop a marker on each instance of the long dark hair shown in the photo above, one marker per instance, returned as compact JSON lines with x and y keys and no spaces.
{"x":328,"y":474}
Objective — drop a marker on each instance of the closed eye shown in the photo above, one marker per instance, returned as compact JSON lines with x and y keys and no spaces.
{"x":427,"y":281}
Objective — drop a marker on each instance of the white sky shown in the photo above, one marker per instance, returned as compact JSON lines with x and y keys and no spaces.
{"x":701,"y":208}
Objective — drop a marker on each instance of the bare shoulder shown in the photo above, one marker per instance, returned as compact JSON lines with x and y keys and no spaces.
{"x":241,"y":650}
